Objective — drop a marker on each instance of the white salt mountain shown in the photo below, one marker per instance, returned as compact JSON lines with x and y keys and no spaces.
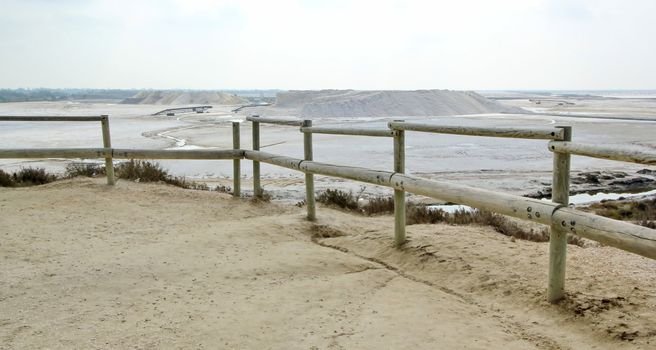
{"x":155,"y":97}
{"x":380,"y":103}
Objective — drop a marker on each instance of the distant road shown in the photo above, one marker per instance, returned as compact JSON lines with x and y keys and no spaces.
{"x":250,"y":105}
{"x":197,"y":109}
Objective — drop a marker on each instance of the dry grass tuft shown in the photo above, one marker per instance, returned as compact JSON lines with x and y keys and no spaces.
{"x":137,"y":170}
{"x":378,"y":205}
{"x":339,"y":198}
{"x":502,"y":224}
{"x":26,"y":177}
{"x":84,"y":169}
{"x":642,"y":212}
{"x":5,"y":179}
{"x":265,"y":197}
{"x":148,"y":171}
{"x":419,"y":214}
{"x":144,"y":171}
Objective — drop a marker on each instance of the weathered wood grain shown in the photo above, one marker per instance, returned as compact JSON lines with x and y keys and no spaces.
{"x":604,"y":152}
{"x":257,"y":188}
{"x":278,"y":121}
{"x":348,"y":131}
{"x":107,"y":143}
{"x":31,"y":118}
{"x":558,"y":236}
{"x":236,"y":163}
{"x":82,"y":153}
{"x":177,"y":154}
{"x":520,"y":133}
{"x":399,"y":194}
{"x":309,"y":177}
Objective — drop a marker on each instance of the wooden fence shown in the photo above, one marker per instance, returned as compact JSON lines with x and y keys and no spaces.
{"x":561,"y":219}
{"x":104,"y":123}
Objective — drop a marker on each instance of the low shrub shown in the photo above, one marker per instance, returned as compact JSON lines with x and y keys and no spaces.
{"x":84,"y":169}
{"x":420,"y":214}
{"x":351,"y":202}
{"x":643,"y":212}
{"x":223,"y":189}
{"x":6,"y":179}
{"x":265,"y":197}
{"x":144,"y":171}
{"x":26,"y":177}
{"x":33,"y":177}
{"x":148,"y":171}
{"x":338,"y":198}
{"x":378,"y":205}
{"x":502,"y":224}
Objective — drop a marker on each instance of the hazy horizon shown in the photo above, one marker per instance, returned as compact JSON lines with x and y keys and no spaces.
{"x":508,"y":45}
{"x":278,"y":89}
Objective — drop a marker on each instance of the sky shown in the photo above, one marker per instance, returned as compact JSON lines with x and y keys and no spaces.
{"x":317,"y":44}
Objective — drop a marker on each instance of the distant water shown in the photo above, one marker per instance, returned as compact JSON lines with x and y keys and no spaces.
{"x":577,"y":199}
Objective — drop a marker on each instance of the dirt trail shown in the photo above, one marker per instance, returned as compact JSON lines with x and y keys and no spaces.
{"x":152,"y":266}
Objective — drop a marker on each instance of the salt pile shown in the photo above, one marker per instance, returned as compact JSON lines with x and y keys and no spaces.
{"x":184,"y":98}
{"x":381,"y":103}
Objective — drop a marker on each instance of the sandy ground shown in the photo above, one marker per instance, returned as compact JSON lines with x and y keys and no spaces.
{"x":151,"y":266}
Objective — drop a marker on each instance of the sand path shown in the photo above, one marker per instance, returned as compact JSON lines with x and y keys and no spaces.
{"x":152,"y":266}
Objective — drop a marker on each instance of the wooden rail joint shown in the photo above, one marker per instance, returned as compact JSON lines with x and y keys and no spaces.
{"x":521,"y":133}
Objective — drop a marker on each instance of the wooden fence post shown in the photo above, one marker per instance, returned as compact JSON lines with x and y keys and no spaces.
{"x":107,"y":143}
{"x":558,"y":236}
{"x":309,"y":178}
{"x":236,"y":163}
{"x":257,"y":189}
{"x":399,"y":195}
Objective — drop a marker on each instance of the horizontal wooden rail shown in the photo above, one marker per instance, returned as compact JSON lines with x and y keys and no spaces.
{"x":178,"y":154}
{"x":56,"y":153}
{"x":376,"y":177}
{"x":90,"y":153}
{"x":279,"y":121}
{"x":615,"y":233}
{"x":516,"y":206}
{"x":32,"y":118}
{"x":533,"y":133}
{"x":626,"y":236}
{"x":349,"y":131}
{"x":269,"y":158}
{"x":603,"y":152}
